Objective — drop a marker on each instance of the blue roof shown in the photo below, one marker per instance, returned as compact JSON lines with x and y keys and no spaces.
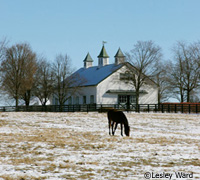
{"x":94,"y":75}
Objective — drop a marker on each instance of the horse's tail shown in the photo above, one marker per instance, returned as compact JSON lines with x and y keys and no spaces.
{"x":109,"y":115}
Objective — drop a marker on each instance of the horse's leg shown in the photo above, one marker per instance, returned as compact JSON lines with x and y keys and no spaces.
{"x":115,"y":128}
{"x":109,"y":123}
{"x":112,"y":127}
{"x":121,"y":129}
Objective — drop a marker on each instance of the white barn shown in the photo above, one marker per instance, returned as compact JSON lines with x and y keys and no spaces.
{"x":104,"y":83}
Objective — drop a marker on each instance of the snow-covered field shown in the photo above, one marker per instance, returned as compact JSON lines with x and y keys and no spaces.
{"x":77,"y":146}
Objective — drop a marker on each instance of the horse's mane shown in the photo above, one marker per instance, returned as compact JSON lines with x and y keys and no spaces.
{"x":117,"y":114}
{"x":124,"y":118}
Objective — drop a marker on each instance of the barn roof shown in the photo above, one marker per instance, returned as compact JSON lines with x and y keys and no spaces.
{"x":94,"y":75}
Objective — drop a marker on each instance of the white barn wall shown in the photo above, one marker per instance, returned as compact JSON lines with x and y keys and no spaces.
{"x":151,"y":97}
{"x":85,"y":91}
{"x":112,"y":83}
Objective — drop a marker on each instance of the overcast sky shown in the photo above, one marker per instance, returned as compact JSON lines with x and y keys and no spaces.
{"x":77,"y":27}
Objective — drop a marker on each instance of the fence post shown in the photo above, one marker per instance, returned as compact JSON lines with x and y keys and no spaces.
{"x":138,"y":108}
{"x":189,"y":108}
{"x":148,"y":108}
{"x":168,"y":108}
{"x":196,"y":108}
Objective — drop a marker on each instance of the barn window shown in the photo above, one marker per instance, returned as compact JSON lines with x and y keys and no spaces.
{"x":77,"y":100}
{"x":84,"y":100}
{"x":126,"y":76}
{"x":92,"y":99}
{"x":70,"y":100}
{"x":56,"y":101}
{"x":122,"y":99}
{"x":132,"y":99}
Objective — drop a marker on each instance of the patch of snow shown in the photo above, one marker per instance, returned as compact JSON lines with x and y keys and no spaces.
{"x":56,"y":146}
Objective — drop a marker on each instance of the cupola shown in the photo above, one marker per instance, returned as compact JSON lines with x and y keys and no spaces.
{"x":103,"y":57}
{"x":119,"y":57}
{"x":88,"y":61}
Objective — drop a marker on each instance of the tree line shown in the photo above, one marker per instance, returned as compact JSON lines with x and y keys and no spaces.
{"x":24,"y":74}
{"x":177,"y":78}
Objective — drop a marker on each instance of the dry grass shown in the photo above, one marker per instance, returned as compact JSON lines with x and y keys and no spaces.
{"x":77,"y":146}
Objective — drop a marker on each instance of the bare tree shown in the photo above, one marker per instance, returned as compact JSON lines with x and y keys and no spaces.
{"x":194,"y":96}
{"x":3,"y":44}
{"x":144,"y":56}
{"x":44,"y":85}
{"x":161,"y":79}
{"x":18,"y":70}
{"x":193,"y":70}
{"x":62,"y":69}
{"x":175,"y":80}
{"x":66,"y":83}
{"x":29,"y":78}
{"x":184,"y":77}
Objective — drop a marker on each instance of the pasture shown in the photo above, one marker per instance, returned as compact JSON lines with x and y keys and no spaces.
{"x":59,"y":146}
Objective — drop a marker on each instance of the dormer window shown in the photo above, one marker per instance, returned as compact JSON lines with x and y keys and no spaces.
{"x":125,"y":76}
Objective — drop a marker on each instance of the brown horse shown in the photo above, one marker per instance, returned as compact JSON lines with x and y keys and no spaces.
{"x":116,"y":117}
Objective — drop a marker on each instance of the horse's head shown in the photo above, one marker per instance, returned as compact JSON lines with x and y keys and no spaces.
{"x":127,"y":130}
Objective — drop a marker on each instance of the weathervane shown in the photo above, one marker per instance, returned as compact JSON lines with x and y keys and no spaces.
{"x":104,"y":42}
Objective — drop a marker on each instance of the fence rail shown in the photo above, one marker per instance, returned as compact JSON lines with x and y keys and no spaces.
{"x":169,"y":108}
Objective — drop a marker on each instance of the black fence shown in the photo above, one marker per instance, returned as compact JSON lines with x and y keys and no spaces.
{"x":163,"y":108}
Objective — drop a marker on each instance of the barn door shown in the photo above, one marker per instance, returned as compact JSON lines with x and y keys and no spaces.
{"x":132,"y":102}
{"x":126,"y":101}
{"x":122,"y":101}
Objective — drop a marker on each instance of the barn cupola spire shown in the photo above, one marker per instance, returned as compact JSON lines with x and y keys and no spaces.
{"x":88,"y":61}
{"x":119,"y":57}
{"x":103,"y":57}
